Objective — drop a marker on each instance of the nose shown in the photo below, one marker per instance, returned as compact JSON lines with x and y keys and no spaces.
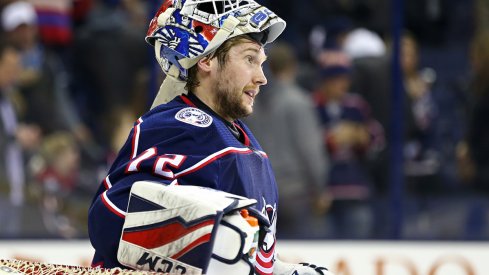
{"x":260,"y":78}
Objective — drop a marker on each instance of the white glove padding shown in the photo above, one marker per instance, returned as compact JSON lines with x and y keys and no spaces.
{"x":282,"y":268}
{"x":187,"y":230}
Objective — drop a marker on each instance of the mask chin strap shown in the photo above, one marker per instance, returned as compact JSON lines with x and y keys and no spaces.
{"x":172,"y":86}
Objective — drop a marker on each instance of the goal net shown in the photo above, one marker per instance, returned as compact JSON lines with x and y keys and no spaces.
{"x":18,"y":267}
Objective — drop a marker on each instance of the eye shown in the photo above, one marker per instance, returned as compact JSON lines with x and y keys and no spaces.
{"x":250,"y":58}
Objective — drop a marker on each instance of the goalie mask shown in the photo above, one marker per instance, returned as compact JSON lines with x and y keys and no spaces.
{"x":184,"y":31}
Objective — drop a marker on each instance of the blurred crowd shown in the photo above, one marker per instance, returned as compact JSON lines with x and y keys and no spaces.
{"x":76,"y":74}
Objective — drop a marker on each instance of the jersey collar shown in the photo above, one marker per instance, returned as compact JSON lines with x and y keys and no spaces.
{"x":238,"y":132}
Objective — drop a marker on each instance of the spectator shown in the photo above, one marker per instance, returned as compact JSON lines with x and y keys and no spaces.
{"x":285,"y":122}
{"x":13,"y":137}
{"x":43,"y":79}
{"x":421,"y":158}
{"x":482,"y":13}
{"x":351,"y":136}
{"x":63,"y":185}
{"x":55,"y":22}
{"x":98,"y":86}
{"x":473,"y":153}
{"x":361,"y":42}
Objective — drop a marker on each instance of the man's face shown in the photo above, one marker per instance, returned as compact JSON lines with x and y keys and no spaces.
{"x":409,"y":56}
{"x":24,"y":37}
{"x":10,"y":67}
{"x":336,"y":87}
{"x":237,"y":83}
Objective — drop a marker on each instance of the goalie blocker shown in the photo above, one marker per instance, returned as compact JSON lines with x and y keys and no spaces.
{"x":189,"y":230}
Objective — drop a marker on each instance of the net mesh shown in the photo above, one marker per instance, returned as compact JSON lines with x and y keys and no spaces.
{"x":35,"y":268}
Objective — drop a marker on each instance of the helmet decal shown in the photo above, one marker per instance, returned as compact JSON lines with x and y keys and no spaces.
{"x":186,"y":28}
{"x":205,"y":30}
{"x":169,"y":39}
{"x":153,"y":25}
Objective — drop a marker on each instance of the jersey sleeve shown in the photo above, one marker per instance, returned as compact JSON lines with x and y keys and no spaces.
{"x":106,"y":218}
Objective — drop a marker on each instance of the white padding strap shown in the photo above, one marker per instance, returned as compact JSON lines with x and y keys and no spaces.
{"x":169,"y":89}
{"x":172,"y":86}
{"x":235,"y":247}
{"x":163,"y":17}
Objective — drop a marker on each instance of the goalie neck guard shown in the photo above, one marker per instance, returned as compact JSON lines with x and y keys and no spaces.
{"x":184,"y":31}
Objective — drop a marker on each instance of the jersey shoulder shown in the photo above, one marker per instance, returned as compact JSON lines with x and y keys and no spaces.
{"x":180,"y":115}
{"x":178,"y":126}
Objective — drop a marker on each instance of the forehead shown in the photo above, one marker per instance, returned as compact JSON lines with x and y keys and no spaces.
{"x":248,"y":46}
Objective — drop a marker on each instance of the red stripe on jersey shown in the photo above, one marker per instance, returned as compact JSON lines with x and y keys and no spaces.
{"x":187,"y":101}
{"x":111,"y":206}
{"x":246,"y":140}
{"x":156,"y":237}
{"x":107,"y":183}
{"x":264,"y":261}
{"x":204,"y":239}
{"x":212,"y":158}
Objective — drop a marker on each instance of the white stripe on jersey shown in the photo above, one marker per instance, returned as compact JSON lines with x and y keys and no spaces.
{"x":263,"y":258}
{"x":108,"y":184}
{"x":137,"y":130}
{"x":112,"y":206}
{"x":211,"y":158}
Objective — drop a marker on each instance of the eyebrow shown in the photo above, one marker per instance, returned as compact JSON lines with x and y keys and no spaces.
{"x":255,"y":51}
{"x":252,"y":49}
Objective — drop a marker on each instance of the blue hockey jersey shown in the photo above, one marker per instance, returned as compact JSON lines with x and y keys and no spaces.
{"x":180,"y":142}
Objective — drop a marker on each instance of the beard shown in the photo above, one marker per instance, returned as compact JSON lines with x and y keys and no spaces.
{"x":229,"y":100}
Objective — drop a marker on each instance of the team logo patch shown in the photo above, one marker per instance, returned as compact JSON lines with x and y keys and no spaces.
{"x":194,"y":117}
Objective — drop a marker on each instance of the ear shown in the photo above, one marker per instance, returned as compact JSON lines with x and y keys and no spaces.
{"x":205,"y":64}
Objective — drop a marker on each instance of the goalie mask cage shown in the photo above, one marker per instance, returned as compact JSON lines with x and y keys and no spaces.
{"x":18,"y":267}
